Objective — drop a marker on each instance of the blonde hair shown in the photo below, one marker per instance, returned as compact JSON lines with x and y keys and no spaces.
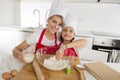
{"x":62,"y":19}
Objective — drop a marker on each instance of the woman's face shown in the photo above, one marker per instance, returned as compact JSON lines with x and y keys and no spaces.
{"x":68,"y":33}
{"x":54,"y":24}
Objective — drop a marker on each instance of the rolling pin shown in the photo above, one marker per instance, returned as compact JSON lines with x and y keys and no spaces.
{"x":38,"y":71}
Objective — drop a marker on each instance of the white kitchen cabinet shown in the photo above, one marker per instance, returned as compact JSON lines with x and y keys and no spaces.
{"x":11,"y":38}
{"x":86,"y":48}
{"x":86,"y":53}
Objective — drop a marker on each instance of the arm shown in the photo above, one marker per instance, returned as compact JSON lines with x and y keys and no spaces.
{"x":17,"y":51}
{"x":74,"y":44}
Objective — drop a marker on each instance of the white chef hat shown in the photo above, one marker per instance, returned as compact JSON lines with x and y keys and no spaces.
{"x":58,"y":7}
{"x":71,"y":21}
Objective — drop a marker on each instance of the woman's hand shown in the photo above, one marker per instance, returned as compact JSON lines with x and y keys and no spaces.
{"x":20,"y":57}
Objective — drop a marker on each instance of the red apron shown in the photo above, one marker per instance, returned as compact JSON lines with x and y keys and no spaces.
{"x":50,"y":49}
{"x":70,"y":52}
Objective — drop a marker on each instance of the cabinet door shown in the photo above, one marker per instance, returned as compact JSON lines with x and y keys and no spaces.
{"x":85,"y":50}
{"x":86,"y":53}
{"x":89,"y":41}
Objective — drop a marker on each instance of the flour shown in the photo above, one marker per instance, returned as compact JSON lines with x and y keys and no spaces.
{"x":54,"y":64}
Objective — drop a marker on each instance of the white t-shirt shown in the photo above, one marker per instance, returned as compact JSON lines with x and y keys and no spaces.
{"x":34,"y":37}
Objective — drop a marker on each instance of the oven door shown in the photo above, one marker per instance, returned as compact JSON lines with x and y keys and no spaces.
{"x":112,"y":46}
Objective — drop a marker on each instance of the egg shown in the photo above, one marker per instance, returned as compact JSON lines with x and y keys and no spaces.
{"x":13,"y":72}
{"x":6,"y":76}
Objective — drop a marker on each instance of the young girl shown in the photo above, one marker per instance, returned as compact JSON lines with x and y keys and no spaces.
{"x":70,"y":46}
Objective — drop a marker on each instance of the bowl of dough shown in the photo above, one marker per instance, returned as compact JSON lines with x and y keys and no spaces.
{"x":53,"y":64}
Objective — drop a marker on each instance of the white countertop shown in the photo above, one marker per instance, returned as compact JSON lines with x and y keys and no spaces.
{"x":80,"y":33}
{"x":84,"y":34}
{"x":29,"y":29}
{"x":109,"y":35}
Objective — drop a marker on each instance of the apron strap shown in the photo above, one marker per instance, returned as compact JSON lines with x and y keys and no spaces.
{"x":55,"y":38}
{"x":41,"y":36}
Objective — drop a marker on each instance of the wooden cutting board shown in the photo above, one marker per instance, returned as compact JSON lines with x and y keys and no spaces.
{"x":59,"y":74}
{"x":102,"y":71}
{"x":27,"y":73}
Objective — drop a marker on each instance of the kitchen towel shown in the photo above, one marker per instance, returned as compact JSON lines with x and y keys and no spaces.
{"x":102,"y":71}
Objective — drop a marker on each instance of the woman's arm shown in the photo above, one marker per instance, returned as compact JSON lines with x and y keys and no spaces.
{"x":17,"y":51}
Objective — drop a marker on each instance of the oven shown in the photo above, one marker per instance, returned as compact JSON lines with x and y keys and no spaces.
{"x":108,"y":44}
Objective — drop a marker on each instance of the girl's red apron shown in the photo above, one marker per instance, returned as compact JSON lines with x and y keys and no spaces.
{"x":50,"y":49}
{"x":70,"y":52}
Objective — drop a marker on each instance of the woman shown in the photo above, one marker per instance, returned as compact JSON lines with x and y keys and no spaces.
{"x":70,"y":46}
{"x":44,"y":38}
{"x":47,"y":37}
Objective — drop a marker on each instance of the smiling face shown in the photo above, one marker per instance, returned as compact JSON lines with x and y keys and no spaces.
{"x":55,"y":23}
{"x":68,"y":33}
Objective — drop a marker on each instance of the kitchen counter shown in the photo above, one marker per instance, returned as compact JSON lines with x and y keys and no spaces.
{"x":29,"y":29}
{"x":81,"y":33}
{"x":109,"y":35}
{"x":84,"y":34}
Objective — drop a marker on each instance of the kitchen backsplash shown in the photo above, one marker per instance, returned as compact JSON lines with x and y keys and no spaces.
{"x":92,"y":16}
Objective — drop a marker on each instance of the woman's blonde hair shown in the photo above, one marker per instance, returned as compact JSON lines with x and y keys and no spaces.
{"x":62,"y":19}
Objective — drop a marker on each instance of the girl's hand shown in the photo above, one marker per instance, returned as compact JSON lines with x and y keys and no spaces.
{"x":59,"y":54}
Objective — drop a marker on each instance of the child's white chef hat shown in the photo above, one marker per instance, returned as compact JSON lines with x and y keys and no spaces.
{"x":71,"y":21}
{"x":58,"y":7}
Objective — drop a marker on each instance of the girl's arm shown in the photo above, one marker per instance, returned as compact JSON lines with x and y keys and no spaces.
{"x":74,"y":44}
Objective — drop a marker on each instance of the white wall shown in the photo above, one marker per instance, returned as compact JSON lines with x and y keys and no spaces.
{"x":29,"y":19}
{"x":92,"y":16}
{"x":97,"y":16}
{"x":9,"y":12}
{"x":6,"y":12}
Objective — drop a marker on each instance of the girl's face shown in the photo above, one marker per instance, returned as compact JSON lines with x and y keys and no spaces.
{"x":54,"y":24}
{"x":68,"y":33}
